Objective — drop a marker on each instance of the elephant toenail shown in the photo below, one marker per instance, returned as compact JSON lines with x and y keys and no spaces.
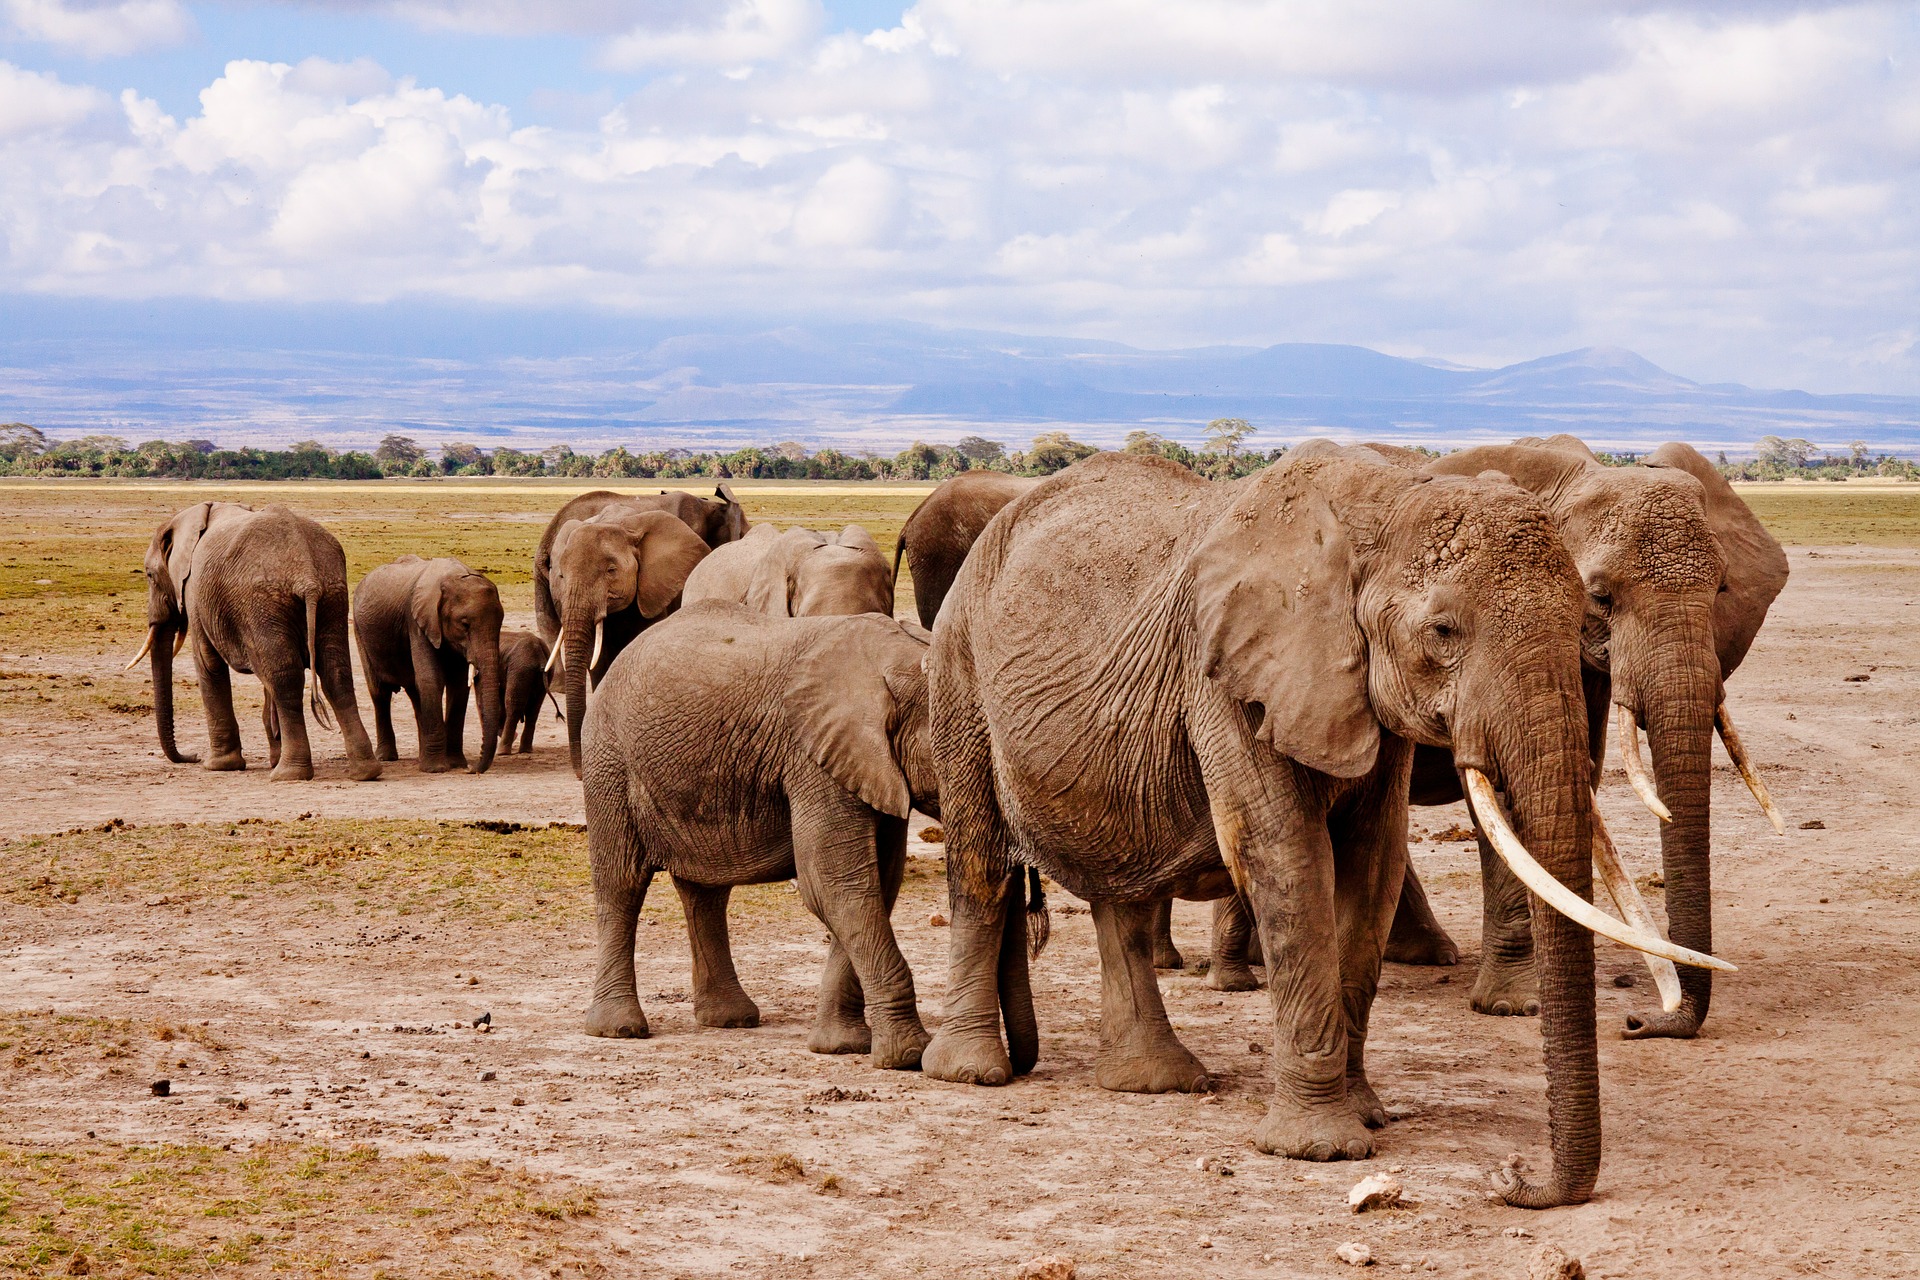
{"x":1502,"y":1009}
{"x":1531,"y":1008}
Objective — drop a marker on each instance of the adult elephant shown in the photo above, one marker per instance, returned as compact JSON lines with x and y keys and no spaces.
{"x":718,"y":520}
{"x":797,"y":574}
{"x":612,"y":575}
{"x":942,"y":529}
{"x":1678,"y":576}
{"x":1150,"y":685}
{"x":420,"y":625}
{"x":261,"y":592}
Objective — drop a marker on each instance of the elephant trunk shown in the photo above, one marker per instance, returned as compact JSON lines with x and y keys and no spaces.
{"x":489,"y":688}
{"x":1541,"y":748}
{"x":165,"y":635}
{"x":577,"y":642}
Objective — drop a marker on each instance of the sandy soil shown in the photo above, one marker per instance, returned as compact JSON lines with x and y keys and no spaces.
{"x":1781,"y":1143}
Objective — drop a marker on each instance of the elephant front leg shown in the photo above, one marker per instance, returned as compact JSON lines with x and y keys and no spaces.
{"x":270,"y":724}
{"x":1138,"y":1050}
{"x":1236,"y":946}
{"x":429,"y":713}
{"x":718,"y":998}
{"x":456,"y":717}
{"x":1369,"y":835}
{"x":1508,"y":984}
{"x":216,"y":698}
{"x":1417,"y":936}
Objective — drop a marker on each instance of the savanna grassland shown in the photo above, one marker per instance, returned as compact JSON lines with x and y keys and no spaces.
{"x":305,"y":964}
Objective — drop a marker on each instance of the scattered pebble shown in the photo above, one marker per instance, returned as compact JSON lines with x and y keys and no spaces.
{"x":1375,"y":1191}
{"x":1815,"y":825}
{"x":489,"y":1075}
{"x":485,"y":1019}
{"x":1050,"y":1266}
{"x":1624,"y":979}
{"x":1517,"y":1233}
{"x":1551,"y":1262}
{"x":1354,"y":1254}
{"x":161,"y":1088}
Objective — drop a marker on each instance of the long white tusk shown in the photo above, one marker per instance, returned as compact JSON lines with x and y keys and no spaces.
{"x":1637,"y":768}
{"x":1626,"y":896}
{"x":1737,"y":750}
{"x":599,"y":641}
{"x":179,"y":641}
{"x":554,"y":659}
{"x":145,"y":649}
{"x":1500,"y":834}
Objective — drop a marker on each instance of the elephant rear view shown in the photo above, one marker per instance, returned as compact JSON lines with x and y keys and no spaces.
{"x":420,"y":625}
{"x":523,"y":665}
{"x":261,"y":592}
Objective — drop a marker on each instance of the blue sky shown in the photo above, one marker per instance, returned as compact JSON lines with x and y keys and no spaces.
{"x":1731,"y":190}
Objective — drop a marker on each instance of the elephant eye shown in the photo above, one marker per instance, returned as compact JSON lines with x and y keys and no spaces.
{"x":1602,"y":600}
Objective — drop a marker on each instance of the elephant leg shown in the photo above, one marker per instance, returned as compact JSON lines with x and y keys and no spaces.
{"x":429,"y":701}
{"x":841,"y":1024}
{"x":1138,"y":1050}
{"x":620,"y":880}
{"x":455,"y":720}
{"x":718,"y":998}
{"x":216,"y":698}
{"x":1369,"y":836}
{"x":1165,"y":954}
{"x":284,"y":690}
{"x":270,"y":722}
{"x":1508,"y":984}
{"x":388,"y":749}
{"x":526,"y":733}
{"x":843,"y":875}
{"x":1235,"y":941}
{"x":1418,"y":937}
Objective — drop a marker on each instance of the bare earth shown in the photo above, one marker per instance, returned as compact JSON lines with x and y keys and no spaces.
{"x":1781,"y":1143}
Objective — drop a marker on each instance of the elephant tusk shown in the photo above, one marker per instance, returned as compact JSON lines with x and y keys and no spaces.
{"x":1637,"y":768}
{"x":554,"y":659}
{"x":599,"y":642}
{"x":179,"y":641}
{"x":145,"y":649}
{"x":1626,"y":896}
{"x":1500,"y":834}
{"x":1737,"y":750}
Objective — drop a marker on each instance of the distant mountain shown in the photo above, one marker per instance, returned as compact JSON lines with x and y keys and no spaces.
{"x":347,"y":375}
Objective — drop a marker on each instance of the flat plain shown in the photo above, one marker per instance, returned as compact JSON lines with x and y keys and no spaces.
{"x":304,"y":964}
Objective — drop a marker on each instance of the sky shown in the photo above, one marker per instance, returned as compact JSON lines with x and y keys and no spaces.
{"x":1731,"y":190}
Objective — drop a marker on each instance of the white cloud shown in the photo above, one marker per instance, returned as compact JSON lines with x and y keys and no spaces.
{"x":1734,"y":196}
{"x":98,"y":29}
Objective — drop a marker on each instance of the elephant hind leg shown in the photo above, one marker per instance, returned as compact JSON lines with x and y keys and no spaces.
{"x":840,"y":1025}
{"x":293,"y":755}
{"x":1235,"y":944}
{"x":620,"y":879}
{"x":718,"y":998}
{"x":1418,"y":936}
{"x":1138,"y":1050}
{"x":1165,"y":954}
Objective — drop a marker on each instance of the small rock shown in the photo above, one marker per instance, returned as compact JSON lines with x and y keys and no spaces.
{"x":1551,"y":1262}
{"x":1206,"y":1242}
{"x":1815,"y":825}
{"x":484,"y":1020}
{"x":1049,"y":1266}
{"x":489,"y":1075}
{"x":519,"y":1102}
{"x":1354,"y":1254}
{"x":938,"y":920}
{"x":1517,"y":1233}
{"x":161,"y":1088}
{"x":1624,"y":979}
{"x":1375,"y":1191}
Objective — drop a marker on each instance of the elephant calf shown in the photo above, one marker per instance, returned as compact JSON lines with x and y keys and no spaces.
{"x":420,"y":624}
{"x":729,"y":747}
{"x":523,"y":670}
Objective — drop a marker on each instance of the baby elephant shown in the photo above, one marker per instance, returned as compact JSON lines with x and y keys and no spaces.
{"x":726,"y":747}
{"x":523,"y":666}
{"x":420,"y":624}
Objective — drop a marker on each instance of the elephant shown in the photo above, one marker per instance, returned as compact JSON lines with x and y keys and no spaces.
{"x":420,"y":625}
{"x":1678,"y":577}
{"x":1149,"y":685}
{"x":262,"y":592}
{"x":718,"y":520}
{"x":943,"y":528}
{"x":797,"y":574}
{"x":523,"y":667}
{"x":612,"y":575}
{"x":728,"y":747}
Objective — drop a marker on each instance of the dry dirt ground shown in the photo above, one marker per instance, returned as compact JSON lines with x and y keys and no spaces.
{"x":308,"y":983}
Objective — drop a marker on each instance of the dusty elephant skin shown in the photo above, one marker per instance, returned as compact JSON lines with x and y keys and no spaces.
{"x":259,"y":592}
{"x":797,"y":574}
{"x":725,"y":748}
{"x":941,"y":531}
{"x":524,"y":676}
{"x":420,"y":624}
{"x":1244,"y":674}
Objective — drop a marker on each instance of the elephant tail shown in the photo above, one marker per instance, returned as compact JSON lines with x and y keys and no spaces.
{"x":1039,"y":921}
{"x":899,"y":549}
{"x":321,"y":716}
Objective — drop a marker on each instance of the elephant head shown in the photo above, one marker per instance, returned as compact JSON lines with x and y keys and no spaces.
{"x":804,"y":574}
{"x":726,"y":518}
{"x":169,"y":569}
{"x":613,"y":573}
{"x":457,"y":608}
{"x":1678,"y":576}
{"x":858,"y":703}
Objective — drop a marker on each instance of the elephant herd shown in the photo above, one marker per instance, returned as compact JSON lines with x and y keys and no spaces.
{"x":1141,"y":683}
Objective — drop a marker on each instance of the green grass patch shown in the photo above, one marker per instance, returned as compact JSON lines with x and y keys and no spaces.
{"x":1814,"y":516}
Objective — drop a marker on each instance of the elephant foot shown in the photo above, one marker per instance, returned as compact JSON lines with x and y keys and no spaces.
{"x":966,"y":1060}
{"x":1232,"y":976}
{"x":432,"y":766}
{"x":1421,"y":945}
{"x":728,"y":1009}
{"x":293,"y":771}
{"x":1325,"y":1132}
{"x":1143,"y":1062}
{"x":1166,"y":955}
{"x":388,"y":753}
{"x":899,"y":1045}
{"x":1507,"y":989}
{"x":841,"y":1033}
{"x":458,"y":764}
{"x":1365,"y":1103}
{"x":1681,"y":1024}
{"x":363,"y":769}
{"x":225,"y":762}
{"x":617,"y":1018}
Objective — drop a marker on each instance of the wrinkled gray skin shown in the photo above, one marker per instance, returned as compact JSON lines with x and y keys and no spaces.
{"x":718,"y":520}
{"x":1142,"y":679}
{"x":943,"y":528}
{"x":261,"y":592}
{"x":619,"y":570}
{"x":728,"y":747}
{"x":523,"y":666}
{"x":420,"y":625}
{"x":797,"y":574}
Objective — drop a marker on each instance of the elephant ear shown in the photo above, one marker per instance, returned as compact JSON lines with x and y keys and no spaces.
{"x":842,"y":705}
{"x":425,"y":605}
{"x":666,"y":552}
{"x":776,"y":578}
{"x":857,"y":538}
{"x":1273,"y":593}
{"x":1756,"y":567}
{"x":183,"y":534}
{"x":736,"y":515}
